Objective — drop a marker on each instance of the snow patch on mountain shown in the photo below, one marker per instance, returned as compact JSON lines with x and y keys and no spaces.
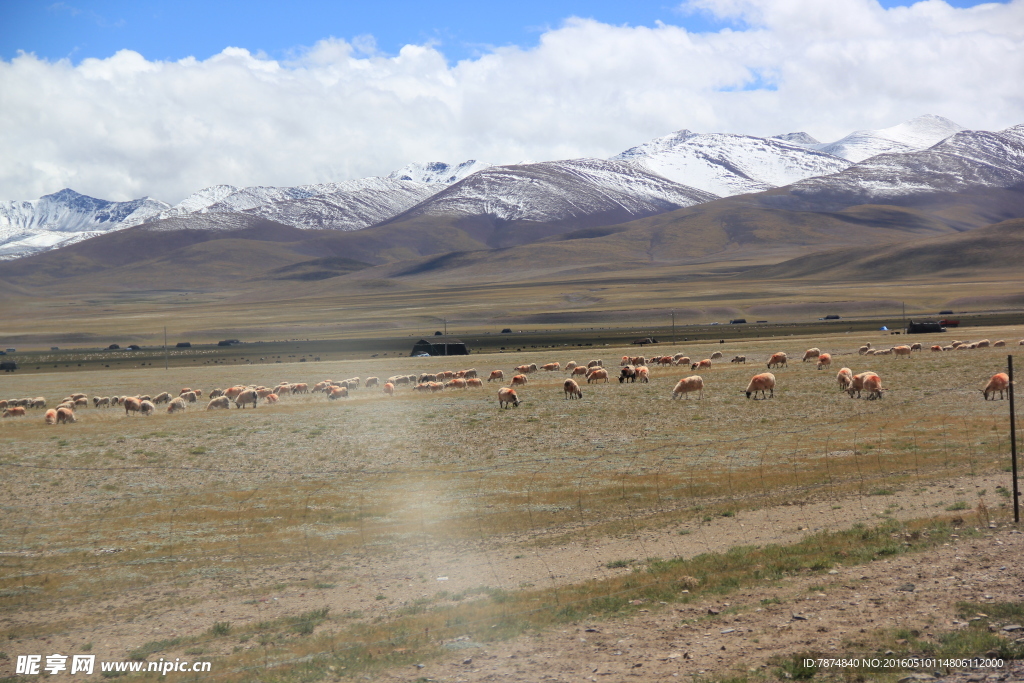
{"x":726,"y":164}
{"x":438,"y":171}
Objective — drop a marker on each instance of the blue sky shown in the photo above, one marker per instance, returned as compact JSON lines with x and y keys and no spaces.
{"x":170,"y":30}
{"x":121,"y":99}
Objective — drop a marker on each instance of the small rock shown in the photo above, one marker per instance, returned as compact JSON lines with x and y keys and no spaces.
{"x":799,"y":617}
{"x":728,"y":630}
{"x":712,"y":610}
{"x":906,"y":588}
{"x":467,"y":660}
{"x":916,"y":677}
{"x":1013,"y":627}
{"x":833,"y":571}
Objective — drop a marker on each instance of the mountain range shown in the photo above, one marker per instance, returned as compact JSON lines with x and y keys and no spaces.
{"x":539,"y":200}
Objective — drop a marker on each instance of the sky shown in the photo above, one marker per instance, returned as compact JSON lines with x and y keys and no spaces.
{"x":120,"y":100}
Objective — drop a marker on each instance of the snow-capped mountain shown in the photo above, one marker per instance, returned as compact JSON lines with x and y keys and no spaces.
{"x":352,"y":205}
{"x":560,"y":190}
{"x":438,"y":171}
{"x":910,"y":136}
{"x":728,"y":165}
{"x":924,"y":155}
{"x":967,"y":160}
{"x":66,"y":217}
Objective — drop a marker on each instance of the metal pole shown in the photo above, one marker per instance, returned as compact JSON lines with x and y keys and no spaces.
{"x":165,"y":348}
{"x":446,"y":336}
{"x":673,"y":327}
{"x":1013,"y":446}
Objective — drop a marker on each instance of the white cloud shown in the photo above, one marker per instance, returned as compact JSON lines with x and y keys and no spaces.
{"x":124,"y":127}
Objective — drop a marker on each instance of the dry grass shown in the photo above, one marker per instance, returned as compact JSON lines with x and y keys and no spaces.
{"x":159,"y":513}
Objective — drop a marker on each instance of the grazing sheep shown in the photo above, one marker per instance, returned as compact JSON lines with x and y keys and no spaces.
{"x":338,"y":392}
{"x":688,"y":384}
{"x":716,"y":355}
{"x":762,"y":382}
{"x":177,"y":405}
{"x":184,"y":390}
{"x":916,"y":346}
{"x":50,"y":417}
{"x":508,"y":397}
{"x":824,"y":360}
{"x":303,"y":388}
{"x":272,"y":398}
{"x":811,"y":353}
{"x":82,"y":402}
{"x":1001,"y":342}
{"x":475,"y":382}
{"x":189,"y":397}
{"x":628,"y":372}
{"x":95,"y":401}
{"x":984,"y":344}
{"x":37,"y":402}
{"x":388,"y":388}
{"x":595,"y":364}
{"x":65,"y":416}
{"x":572,"y":389}
{"x":75,"y":397}
{"x":864,"y":349}
{"x":518,"y":380}
{"x":3,"y":404}
{"x":624,"y":361}
{"x":702,"y":365}
{"x":264,"y":392}
{"x":580,"y":370}
{"x":643,"y":374}
{"x":778,"y":359}
{"x":739,"y":359}
{"x":845,"y":378}
{"x":131,"y":404}
{"x":496,"y":375}
{"x":457,"y":383}
{"x":682,"y":360}
{"x":857,"y":384}
{"x":936,"y":347}
{"x":166,"y":397}
{"x":219,"y":403}
{"x":233,"y":392}
{"x":246,"y":397}
{"x":216,"y":393}
{"x":999,"y":382}
{"x":104,"y":402}
{"x":596,"y":374}
{"x":551,"y":367}
{"x":902,"y":350}
{"x":147,"y":407}
{"x":14,"y":411}
{"x":371,"y":382}
{"x":873,"y":385}
{"x":571,"y":365}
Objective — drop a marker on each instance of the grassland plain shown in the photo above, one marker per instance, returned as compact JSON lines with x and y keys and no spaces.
{"x":271,"y":538}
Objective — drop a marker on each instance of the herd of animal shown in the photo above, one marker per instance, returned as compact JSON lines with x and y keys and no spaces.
{"x":632,"y":369}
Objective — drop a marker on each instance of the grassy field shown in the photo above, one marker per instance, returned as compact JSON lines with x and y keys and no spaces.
{"x":262,"y":537}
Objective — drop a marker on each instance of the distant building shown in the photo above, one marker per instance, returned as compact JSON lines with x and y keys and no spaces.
{"x":184,"y":345}
{"x":8,"y":366}
{"x":453,"y":347}
{"x":924,"y":327}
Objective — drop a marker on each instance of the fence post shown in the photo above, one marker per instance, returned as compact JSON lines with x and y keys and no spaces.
{"x":1013,"y":445}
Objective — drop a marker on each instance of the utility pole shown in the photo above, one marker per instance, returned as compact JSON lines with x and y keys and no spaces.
{"x":446,"y":336}
{"x":165,"y":348}
{"x":1013,"y":446}
{"x":673,"y":327}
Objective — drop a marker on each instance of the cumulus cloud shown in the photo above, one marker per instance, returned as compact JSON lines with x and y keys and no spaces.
{"x":124,"y":126}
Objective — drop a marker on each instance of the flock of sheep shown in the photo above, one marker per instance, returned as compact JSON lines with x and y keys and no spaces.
{"x":632,"y":369}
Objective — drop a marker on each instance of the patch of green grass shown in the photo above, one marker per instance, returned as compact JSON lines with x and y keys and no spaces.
{"x":794,"y":667}
{"x":153,"y":647}
{"x":220,"y":628}
{"x":959,"y":505}
{"x":304,"y":624}
{"x":619,"y":564}
{"x":882,"y":492}
{"x":198,"y":450}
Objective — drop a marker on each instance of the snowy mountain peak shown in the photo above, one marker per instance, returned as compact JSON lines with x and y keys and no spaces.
{"x":800,"y":138}
{"x":914,"y":135}
{"x":727,"y":164}
{"x":438,"y":171}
